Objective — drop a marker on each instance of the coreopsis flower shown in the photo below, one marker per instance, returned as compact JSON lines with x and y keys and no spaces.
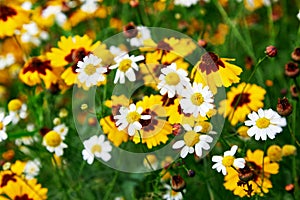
{"x":240,"y":102}
{"x":4,"y":121}
{"x":264,"y":124}
{"x":193,"y":141}
{"x":172,"y":80}
{"x":155,"y":130}
{"x":215,"y":72}
{"x":96,"y":146}
{"x":223,"y":163}
{"x":38,"y":70}
{"x":185,"y":3}
{"x":129,"y":118}
{"x":70,"y":51}
{"x":17,"y":110}
{"x":12,"y":17}
{"x":90,"y":71}
{"x":197,"y":100}
{"x":54,"y":139}
{"x":126,"y":65}
{"x":142,"y":35}
{"x":256,"y":173}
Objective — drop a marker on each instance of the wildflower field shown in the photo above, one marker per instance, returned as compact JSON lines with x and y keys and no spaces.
{"x":149,"y":99}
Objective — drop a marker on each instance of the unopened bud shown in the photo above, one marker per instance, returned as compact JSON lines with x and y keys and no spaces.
{"x":296,"y":54}
{"x":134,"y":3}
{"x":177,"y":183}
{"x":274,"y":152}
{"x":289,"y":187}
{"x":284,"y":108}
{"x":191,"y":173}
{"x":202,"y":43}
{"x":291,"y":69}
{"x":271,"y":51}
{"x":288,"y":150}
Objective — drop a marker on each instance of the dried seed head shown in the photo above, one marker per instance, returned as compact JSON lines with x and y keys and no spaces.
{"x":291,"y":69}
{"x":130,"y":30}
{"x":284,"y":108}
{"x":296,"y":54}
{"x":177,"y":183}
{"x":294,"y":91}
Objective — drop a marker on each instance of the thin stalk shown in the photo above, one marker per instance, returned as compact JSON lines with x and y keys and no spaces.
{"x":111,"y":186}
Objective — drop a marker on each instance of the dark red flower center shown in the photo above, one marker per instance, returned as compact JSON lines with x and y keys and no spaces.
{"x":6,"y":178}
{"x":23,"y":197}
{"x":244,"y":99}
{"x":149,"y":124}
{"x":6,"y":12}
{"x":210,"y":62}
{"x":74,"y":56}
{"x":38,"y":65}
{"x":164,"y":46}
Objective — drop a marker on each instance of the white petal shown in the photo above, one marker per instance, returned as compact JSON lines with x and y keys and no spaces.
{"x":179,"y":144}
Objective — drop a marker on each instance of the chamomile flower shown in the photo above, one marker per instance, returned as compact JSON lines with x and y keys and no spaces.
{"x":4,"y":120}
{"x":264,"y":123}
{"x":142,"y":35}
{"x":90,"y":71}
{"x":96,"y":146}
{"x":130,"y":118}
{"x":172,"y":80}
{"x":171,"y":194}
{"x":193,"y":141}
{"x":298,"y":15}
{"x":197,"y":100}
{"x":53,"y":140}
{"x":228,"y":160}
{"x":32,"y":169}
{"x":126,"y":65}
{"x":185,"y":3}
{"x":17,"y":110}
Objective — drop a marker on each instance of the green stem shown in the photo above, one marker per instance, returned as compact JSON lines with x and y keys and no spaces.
{"x":149,"y":163}
{"x":210,"y":191}
{"x":294,"y":163}
{"x":111,"y":186}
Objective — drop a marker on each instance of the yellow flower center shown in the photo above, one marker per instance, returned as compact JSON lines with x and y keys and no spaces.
{"x":133,"y":117}
{"x":228,"y":161}
{"x":172,"y":78}
{"x":90,"y":69}
{"x":1,"y":126}
{"x":125,"y":65}
{"x":52,"y":139}
{"x":197,"y":99}
{"x":263,"y":122}
{"x":14,"y":105}
{"x":191,"y":138}
{"x":96,"y":148}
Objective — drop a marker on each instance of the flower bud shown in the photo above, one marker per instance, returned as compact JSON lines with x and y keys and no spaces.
{"x":177,"y":183}
{"x":289,"y":187}
{"x":294,"y":91}
{"x":291,"y":69}
{"x":296,"y":54}
{"x":271,"y":51}
{"x":130,"y":30}
{"x":202,"y":43}
{"x":288,"y":150}
{"x":134,"y":3}
{"x":191,"y":173}
{"x":274,"y":152}
{"x":284,"y":108}
{"x":8,"y":155}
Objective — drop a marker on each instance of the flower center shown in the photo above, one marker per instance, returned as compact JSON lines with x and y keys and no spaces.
{"x":14,"y":105}
{"x":191,"y":138}
{"x":210,"y":62}
{"x":96,"y":149}
{"x":228,"y":161}
{"x":52,"y":139}
{"x":263,"y":122}
{"x":90,"y":69}
{"x":172,"y":78}
{"x":1,"y":126}
{"x":38,"y":65}
{"x":244,"y":99}
{"x":6,"y":12}
{"x":133,"y":117}
{"x":125,"y":65}
{"x":197,"y":99}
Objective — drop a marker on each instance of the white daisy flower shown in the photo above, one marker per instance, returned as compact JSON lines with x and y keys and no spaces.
{"x":126,"y":66}
{"x":193,"y":141}
{"x":185,"y":3}
{"x":130,"y":118}
{"x":32,"y":169}
{"x":89,"y":6}
{"x":172,"y":80}
{"x":4,"y":121}
{"x":96,"y":146}
{"x":90,"y":71}
{"x":197,"y":100}
{"x":298,"y":15}
{"x":17,"y":110}
{"x":143,"y":34}
{"x":117,"y":51}
{"x":264,"y":123}
{"x":53,"y":140}
{"x":6,"y":60}
{"x":228,"y":160}
{"x":171,"y":194}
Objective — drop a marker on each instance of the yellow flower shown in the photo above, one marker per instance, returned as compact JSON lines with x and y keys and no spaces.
{"x":71,"y":50}
{"x":288,"y":150}
{"x":253,"y":4}
{"x":12,"y":17}
{"x":215,"y":72}
{"x":251,"y":100}
{"x":260,"y":168}
{"x":38,"y":69}
{"x":155,"y":130}
{"x":218,"y":36}
{"x":274,"y":152}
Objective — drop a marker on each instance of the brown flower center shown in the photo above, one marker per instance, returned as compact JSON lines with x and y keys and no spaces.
{"x":23,"y":197}
{"x":6,"y":178}
{"x":210,"y":62}
{"x":74,"y":56}
{"x":244,"y":99}
{"x":38,"y":65}
{"x":6,"y":12}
